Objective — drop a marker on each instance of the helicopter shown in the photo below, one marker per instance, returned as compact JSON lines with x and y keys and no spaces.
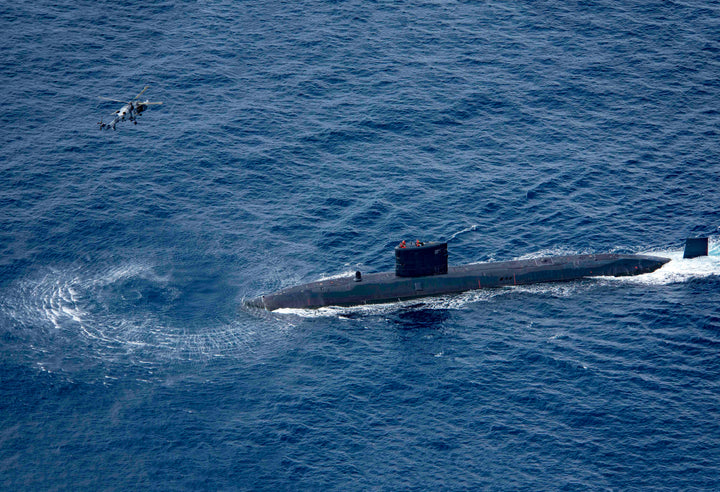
{"x":131,"y":110}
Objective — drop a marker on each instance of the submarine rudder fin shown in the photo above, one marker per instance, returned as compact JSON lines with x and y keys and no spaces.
{"x":695,"y":246}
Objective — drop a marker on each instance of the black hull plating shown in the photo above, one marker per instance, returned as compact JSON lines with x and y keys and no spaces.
{"x":387,"y":287}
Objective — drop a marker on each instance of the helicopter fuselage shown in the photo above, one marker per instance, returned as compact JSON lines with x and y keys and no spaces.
{"x":126,"y":110}
{"x":130,"y":110}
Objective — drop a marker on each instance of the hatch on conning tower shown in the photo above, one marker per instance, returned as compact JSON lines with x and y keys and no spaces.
{"x":418,"y":261}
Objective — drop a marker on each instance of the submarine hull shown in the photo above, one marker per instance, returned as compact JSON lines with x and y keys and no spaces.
{"x":388,"y":287}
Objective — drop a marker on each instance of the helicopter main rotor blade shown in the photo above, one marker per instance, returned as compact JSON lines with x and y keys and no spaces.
{"x":146,"y":88}
{"x":149,"y":103}
{"x":113,"y":100}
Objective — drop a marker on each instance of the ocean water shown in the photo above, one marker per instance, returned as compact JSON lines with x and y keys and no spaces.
{"x":301,"y":140}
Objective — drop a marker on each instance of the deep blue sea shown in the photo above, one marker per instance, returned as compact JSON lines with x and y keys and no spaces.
{"x":303,"y":140}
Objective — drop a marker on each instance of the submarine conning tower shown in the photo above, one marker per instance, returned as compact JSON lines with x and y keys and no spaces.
{"x":421,"y":259}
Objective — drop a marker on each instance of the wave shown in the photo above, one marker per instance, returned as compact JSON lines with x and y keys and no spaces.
{"x":125,"y":313}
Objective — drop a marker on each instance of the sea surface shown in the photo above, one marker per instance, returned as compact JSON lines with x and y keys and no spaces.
{"x":302,"y":140}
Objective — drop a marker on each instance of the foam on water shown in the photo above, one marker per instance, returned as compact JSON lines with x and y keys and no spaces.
{"x":116,"y":314}
{"x":471,"y":228}
{"x":680,"y":269}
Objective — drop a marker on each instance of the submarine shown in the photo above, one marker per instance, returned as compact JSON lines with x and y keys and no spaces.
{"x":421,"y":270}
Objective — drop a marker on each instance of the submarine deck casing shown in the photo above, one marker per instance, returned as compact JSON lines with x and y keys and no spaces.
{"x":405,"y":283}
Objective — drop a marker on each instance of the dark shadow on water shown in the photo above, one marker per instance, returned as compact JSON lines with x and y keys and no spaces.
{"x":415,"y":317}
